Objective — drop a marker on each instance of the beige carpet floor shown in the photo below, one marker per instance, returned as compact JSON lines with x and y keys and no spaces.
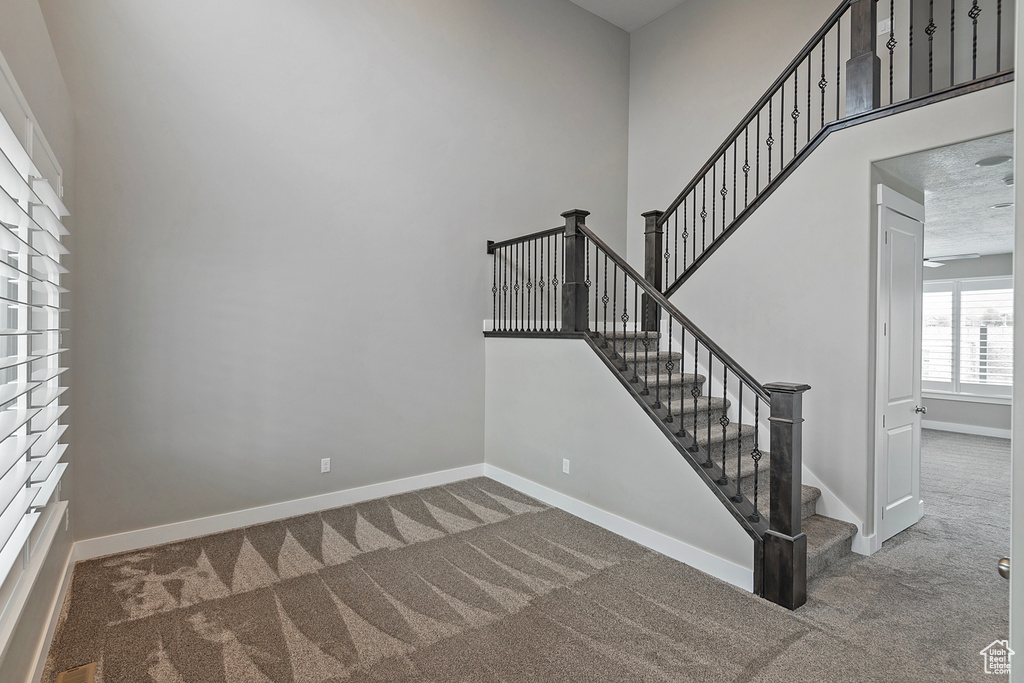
{"x":476,"y":582}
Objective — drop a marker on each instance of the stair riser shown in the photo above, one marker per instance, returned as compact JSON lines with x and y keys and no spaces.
{"x":815,"y":565}
{"x":808,"y":509}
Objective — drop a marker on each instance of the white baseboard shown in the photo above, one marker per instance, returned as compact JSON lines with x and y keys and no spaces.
{"x":666,"y":545}
{"x":179,"y":531}
{"x":55,"y":610}
{"x":965,"y":429}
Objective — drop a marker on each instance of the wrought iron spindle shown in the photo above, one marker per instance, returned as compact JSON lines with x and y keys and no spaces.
{"x":755,"y":455}
{"x":714,"y":201}
{"x":746,"y":165}
{"x":952,"y":42}
{"x":554,"y":286}
{"x":587,"y":281}
{"x":735,"y":153}
{"x":782,"y":127}
{"x":709,"y":462}
{"x":910,"y":51}
{"x":647,"y":344}
{"x":615,"y":290}
{"x":738,"y":496}
{"x":724,"y":192}
{"x":636,"y":325}
{"x":839,"y":67}
{"x":543,"y":321}
{"x":823,"y":83}
{"x":507,"y":317}
{"x":999,"y":35}
{"x":796,"y":109}
{"x":518,"y":260}
{"x":695,"y":393}
{"x":724,"y":420}
{"x":930,"y":32}
{"x":757,"y":148}
{"x":668,"y":369}
{"x":675,"y":266}
{"x":494,"y":294}
{"x":808,"y":97}
{"x":604,"y":302}
{"x":891,"y":44}
{"x":974,"y":13}
{"x":703,"y":215}
{"x":770,"y":141}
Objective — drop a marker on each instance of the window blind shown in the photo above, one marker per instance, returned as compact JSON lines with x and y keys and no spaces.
{"x":31,"y":370}
{"x":967,"y":336}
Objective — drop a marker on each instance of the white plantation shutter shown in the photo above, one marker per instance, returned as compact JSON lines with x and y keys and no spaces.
{"x":30,"y":354}
{"x":967,"y":336}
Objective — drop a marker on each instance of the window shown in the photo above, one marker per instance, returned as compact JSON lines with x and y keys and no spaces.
{"x":967,"y":336}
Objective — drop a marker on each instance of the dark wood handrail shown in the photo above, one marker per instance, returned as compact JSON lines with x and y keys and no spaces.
{"x":659,"y":299}
{"x":494,"y":246}
{"x":732,"y":137}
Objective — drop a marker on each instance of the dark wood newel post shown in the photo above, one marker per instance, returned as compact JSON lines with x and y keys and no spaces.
{"x":575,"y":317}
{"x":864,"y":70}
{"x":785,"y":545}
{"x":654,"y":239}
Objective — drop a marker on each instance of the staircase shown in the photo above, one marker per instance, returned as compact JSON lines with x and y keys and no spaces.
{"x":567,"y":282}
{"x":643,"y":369}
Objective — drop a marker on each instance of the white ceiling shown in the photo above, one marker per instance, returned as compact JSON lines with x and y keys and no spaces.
{"x":959,"y":196}
{"x":628,"y":14}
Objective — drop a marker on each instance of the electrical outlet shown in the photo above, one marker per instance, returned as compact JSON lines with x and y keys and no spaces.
{"x":884,"y":27}
{"x":565,"y":465}
{"x":325,"y":465}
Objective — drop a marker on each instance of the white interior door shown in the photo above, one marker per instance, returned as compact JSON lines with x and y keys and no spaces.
{"x":898,"y":385}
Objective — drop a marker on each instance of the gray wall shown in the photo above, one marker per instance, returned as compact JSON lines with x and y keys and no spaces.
{"x":26,"y":46}
{"x":554,"y":399}
{"x":987,"y":416}
{"x":281,"y":229}
{"x":694,"y":73}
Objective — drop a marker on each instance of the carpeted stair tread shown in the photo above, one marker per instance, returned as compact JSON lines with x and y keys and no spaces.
{"x":809,"y":496}
{"x":664,"y":379}
{"x":828,"y":540}
{"x":732,"y":433}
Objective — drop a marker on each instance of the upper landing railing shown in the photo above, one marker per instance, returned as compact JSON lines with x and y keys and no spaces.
{"x":871,"y":58}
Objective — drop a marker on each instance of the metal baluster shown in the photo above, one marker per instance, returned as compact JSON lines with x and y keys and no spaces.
{"x":796,"y":108}
{"x":808,"y":97}
{"x":891,"y":43}
{"x":755,"y":455}
{"x":694,"y":215}
{"x":615,"y":288}
{"x":668,"y":367}
{"x":910,"y":57}
{"x":647,"y":343}
{"x":507,"y":318}
{"x":782,"y":127}
{"x":839,"y":66}
{"x":757,"y":149}
{"x":735,"y":166}
{"x":518,"y":249}
{"x":675,"y":266}
{"x":604,"y":300}
{"x":746,"y":165}
{"x":724,"y":420}
{"x":668,"y":256}
{"x":636,"y":324}
{"x":531,"y":312}
{"x":711,"y":366}
{"x":695,"y":392}
{"x":724,"y":191}
{"x":494,"y":293}
{"x":714,"y":202}
{"x":930,"y":32}
{"x":554,"y":284}
{"x":703,"y":215}
{"x":587,"y":281}
{"x":738,"y":497}
{"x":540,"y":284}
{"x":974,"y":13}
{"x":999,"y":35}
{"x":657,"y":357}
{"x":770,"y":140}
{"x":823,"y":83}
{"x":952,"y":42}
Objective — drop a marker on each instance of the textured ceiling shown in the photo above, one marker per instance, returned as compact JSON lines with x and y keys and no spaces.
{"x":628,"y":14}
{"x":959,"y":196}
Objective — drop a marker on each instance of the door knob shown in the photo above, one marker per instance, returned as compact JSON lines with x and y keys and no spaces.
{"x":1004,"y":568}
{"x":921,"y":409}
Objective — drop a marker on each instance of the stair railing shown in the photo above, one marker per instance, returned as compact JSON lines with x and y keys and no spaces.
{"x":834,"y":82}
{"x":666,"y":361}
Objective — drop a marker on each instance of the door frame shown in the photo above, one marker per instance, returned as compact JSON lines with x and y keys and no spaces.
{"x":886,"y":198}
